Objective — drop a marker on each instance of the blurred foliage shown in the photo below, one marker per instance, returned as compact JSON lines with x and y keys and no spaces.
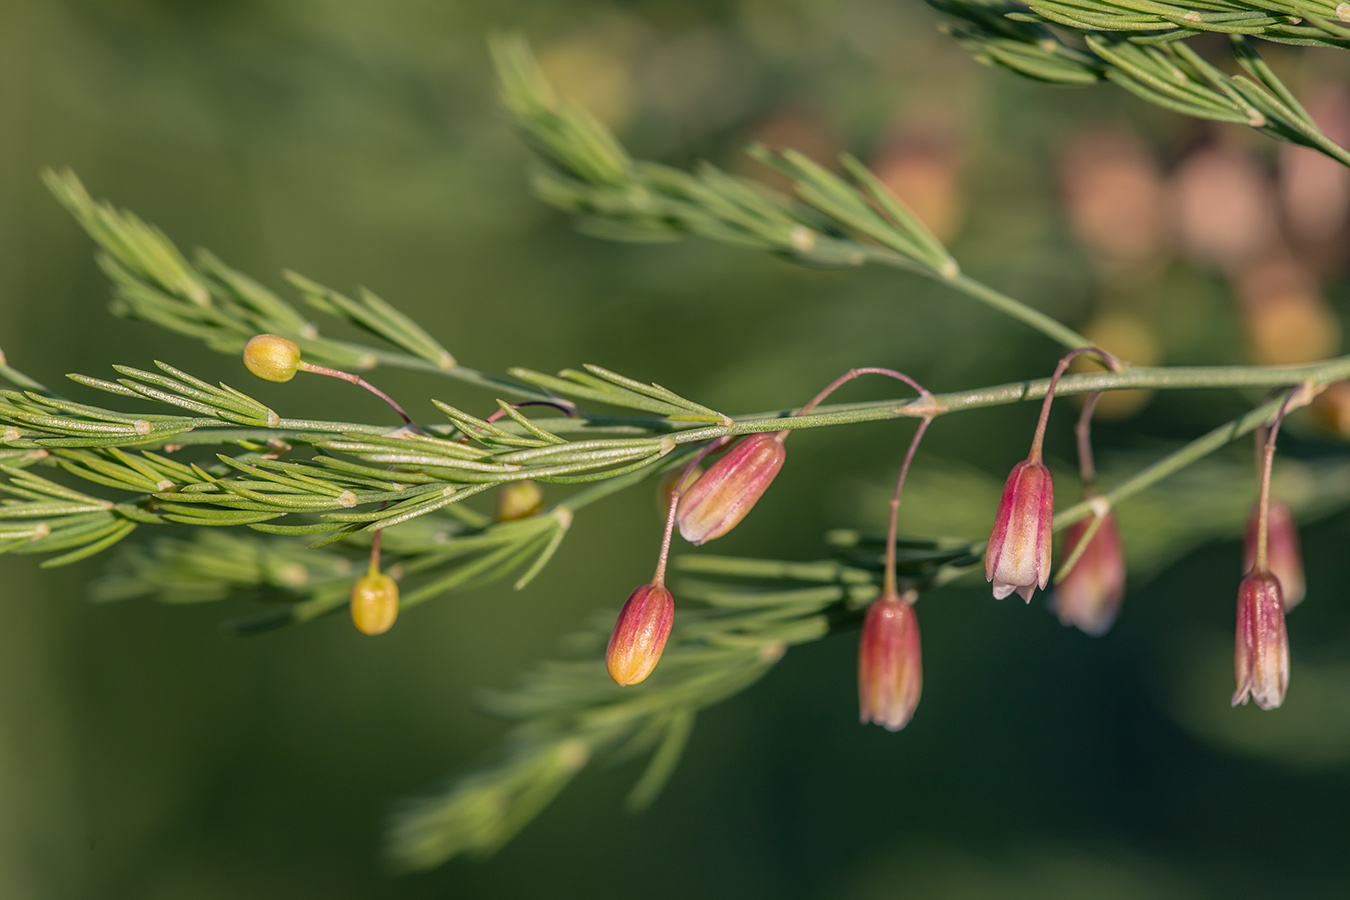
{"x":142,"y":756}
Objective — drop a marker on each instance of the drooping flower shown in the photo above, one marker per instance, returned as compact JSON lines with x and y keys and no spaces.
{"x":1284,"y":557}
{"x":890,"y":663}
{"x":1090,"y":595}
{"x":640,"y":634}
{"x":723,"y":495}
{"x":1018,"y":557}
{"x":1261,"y":658}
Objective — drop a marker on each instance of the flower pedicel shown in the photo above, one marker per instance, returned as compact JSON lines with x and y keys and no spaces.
{"x":1018,"y":556}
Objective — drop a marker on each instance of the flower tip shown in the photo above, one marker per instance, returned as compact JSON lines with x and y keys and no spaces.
{"x":374,"y":604}
{"x":271,"y":357}
{"x":640,"y":634}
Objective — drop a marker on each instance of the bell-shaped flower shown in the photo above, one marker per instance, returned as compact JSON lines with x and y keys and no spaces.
{"x":640,"y":634}
{"x":1089,"y":596}
{"x":890,"y":664}
{"x":1261,"y":660}
{"x":1018,"y":557}
{"x":723,"y":495}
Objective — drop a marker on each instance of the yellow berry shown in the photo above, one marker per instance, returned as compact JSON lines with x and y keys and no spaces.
{"x":271,"y":357}
{"x":519,"y":500}
{"x":374,"y":603}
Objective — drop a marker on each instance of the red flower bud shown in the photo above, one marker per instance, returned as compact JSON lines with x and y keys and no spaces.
{"x":1284,"y":558}
{"x":1089,"y":596}
{"x":640,"y":634}
{"x":1018,"y":558}
{"x":1261,"y":660}
{"x":890,"y":665}
{"x":723,"y":495}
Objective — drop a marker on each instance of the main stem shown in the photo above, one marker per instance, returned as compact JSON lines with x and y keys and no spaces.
{"x":1177,"y":378}
{"x":1015,"y":309}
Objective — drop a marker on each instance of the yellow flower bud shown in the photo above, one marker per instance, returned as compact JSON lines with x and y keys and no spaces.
{"x":374,"y":603}
{"x":271,"y":357}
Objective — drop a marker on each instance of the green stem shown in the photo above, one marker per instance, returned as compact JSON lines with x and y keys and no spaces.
{"x":393,"y":359}
{"x":1194,"y":377}
{"x":1145,"y":478}
{"x":1015,"y":309}
{"x":994,"y":299}
{"x":1175,"y":462}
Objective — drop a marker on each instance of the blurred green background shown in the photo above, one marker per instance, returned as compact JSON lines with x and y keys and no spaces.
{"x":144,"y":756}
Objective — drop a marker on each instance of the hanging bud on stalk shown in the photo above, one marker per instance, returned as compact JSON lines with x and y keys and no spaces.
{"x":1261,"y":660}
{"x":890,"y":665}
{"x":644,"y":623}
{"x":640,"y":634}
{"x":723,"y":495}
{"x":276,"y":358}
{"x":1018,"y":555}
{"x":1283,"y":554}
{"x":1261,"y":654}
{"x":1089,"y":596}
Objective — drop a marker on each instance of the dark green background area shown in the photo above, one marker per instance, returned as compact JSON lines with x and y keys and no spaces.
{"x":142,"y":755}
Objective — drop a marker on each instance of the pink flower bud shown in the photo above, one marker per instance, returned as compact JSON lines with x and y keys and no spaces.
{"x":890,"y":665}
{"x":640,"y":634}
{"x":723,"y":495}
{"x":1261,"y":660}
{"x":1284,"y":558}
{"x":1018,"y":558}
{"x":1089,"y":596}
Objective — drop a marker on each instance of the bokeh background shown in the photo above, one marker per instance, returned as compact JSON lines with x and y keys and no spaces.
{"x":142,"y":755}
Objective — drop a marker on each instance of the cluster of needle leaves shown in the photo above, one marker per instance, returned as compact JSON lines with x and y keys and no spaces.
{"x":1140,"y":45}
